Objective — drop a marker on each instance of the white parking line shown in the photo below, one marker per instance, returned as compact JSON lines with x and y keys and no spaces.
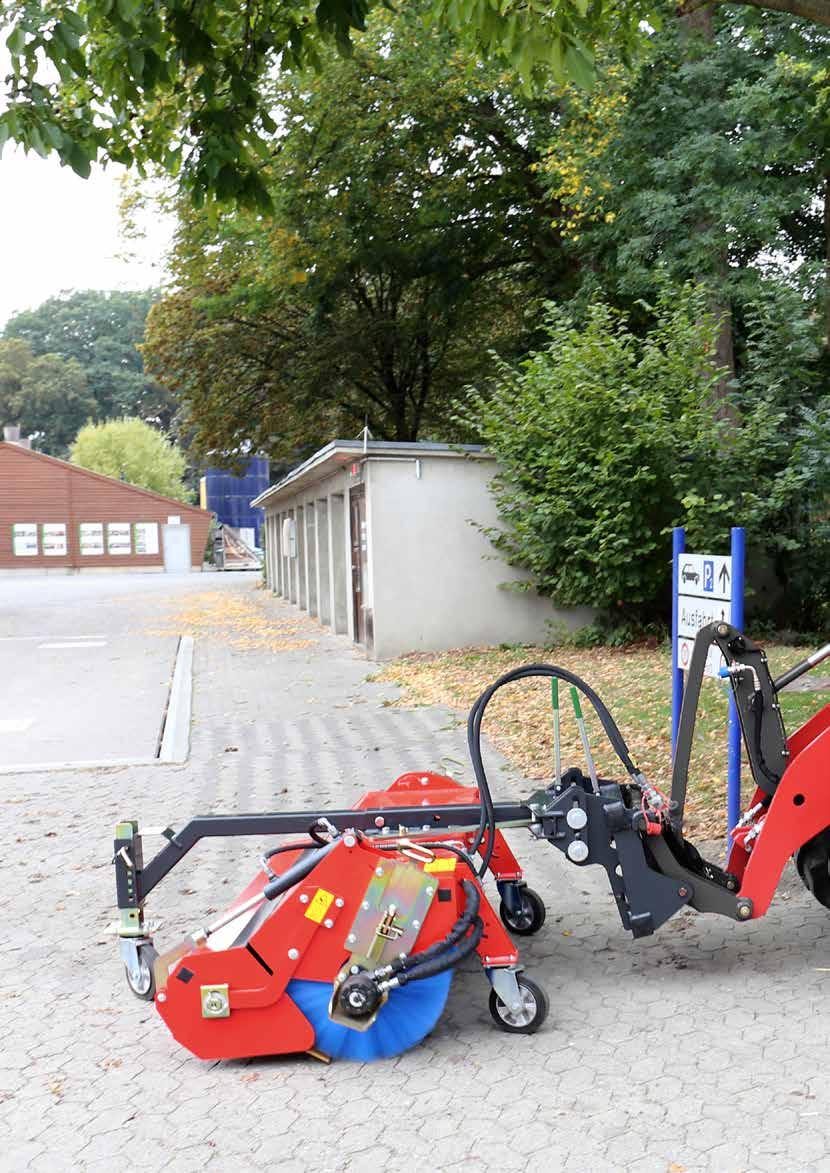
{"x":9,"y":639}
{"x":90,"y":643}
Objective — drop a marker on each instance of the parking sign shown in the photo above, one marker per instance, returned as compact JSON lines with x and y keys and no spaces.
{"x":704,"y":595}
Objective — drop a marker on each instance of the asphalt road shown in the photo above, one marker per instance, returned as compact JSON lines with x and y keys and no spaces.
{"x":81,"y":680}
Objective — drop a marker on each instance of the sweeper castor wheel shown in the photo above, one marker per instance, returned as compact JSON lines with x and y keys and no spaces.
{"x":813,"y":863}
{"x":531,"y":917}
{"x":533,"y":1012}
{"x":141,"y":979}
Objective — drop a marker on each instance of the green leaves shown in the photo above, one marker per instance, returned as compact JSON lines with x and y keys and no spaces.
{"x":396,"y":249}
{"x":128,"y":10}
{"x":79,"y":160}
{"x":601,"y":436}
{"x":579,"y":66}
{"x":16,"y":41}
{"x":46,"y":394}
{"x":133,"y":76}
{"x":101,"y":332}
{"x":132,"y":449}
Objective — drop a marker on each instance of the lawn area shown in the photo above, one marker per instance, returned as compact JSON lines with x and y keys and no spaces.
{"x":634,"y":683}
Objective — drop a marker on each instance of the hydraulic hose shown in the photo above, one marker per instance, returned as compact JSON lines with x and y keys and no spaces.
{"x":298,"y":871}
{"x":757,"y":705}
{"x":461,"y":926}
{"x":443,"y":961}
{"x":268,"y":855}
{"x":283,"y":848}
{"x":487,"y":822}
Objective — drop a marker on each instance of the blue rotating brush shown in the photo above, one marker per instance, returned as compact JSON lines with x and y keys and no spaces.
{"x":404,"y":1020}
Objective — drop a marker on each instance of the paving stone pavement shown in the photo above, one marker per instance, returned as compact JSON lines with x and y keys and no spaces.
{"x":704,"y":1047}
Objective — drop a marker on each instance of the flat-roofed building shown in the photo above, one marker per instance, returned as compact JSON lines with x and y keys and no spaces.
{"x":387,"y":543}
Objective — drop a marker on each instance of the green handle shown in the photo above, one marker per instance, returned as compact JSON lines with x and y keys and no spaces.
{"x":576,"y":704}
{"x":554,"y":694}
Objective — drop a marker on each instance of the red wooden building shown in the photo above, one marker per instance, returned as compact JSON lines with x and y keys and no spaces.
{"x":55,"y":515}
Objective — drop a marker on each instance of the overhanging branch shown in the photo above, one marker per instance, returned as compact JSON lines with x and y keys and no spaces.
{"x":817,"y":11}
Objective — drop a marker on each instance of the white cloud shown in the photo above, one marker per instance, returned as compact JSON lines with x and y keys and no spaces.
{"x":58,"y":231}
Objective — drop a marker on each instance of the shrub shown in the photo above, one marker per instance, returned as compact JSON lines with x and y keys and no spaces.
{"x":606,"y":439}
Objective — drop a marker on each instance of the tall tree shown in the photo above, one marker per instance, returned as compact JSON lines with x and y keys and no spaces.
{"x":715,"y":172}
{"x":134,"y":452}
{"x":46,"y":395}
{"x":184,"y":86}
{"x":102,"y":331}
{"x":411,"y":230}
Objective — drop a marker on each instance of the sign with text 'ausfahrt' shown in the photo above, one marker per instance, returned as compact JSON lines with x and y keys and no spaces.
{"x":704,"y":595}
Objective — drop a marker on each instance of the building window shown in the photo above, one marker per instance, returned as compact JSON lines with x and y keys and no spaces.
{"x":24,"y":539}
{"x":91,"y":534}
{"x":119,"y":537}
{"x":146,"y":537}
{"x":53,"y":539}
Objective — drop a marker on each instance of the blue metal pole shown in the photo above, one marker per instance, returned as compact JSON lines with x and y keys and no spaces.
{"x":733,"y":779}
{"x":678,"y":546}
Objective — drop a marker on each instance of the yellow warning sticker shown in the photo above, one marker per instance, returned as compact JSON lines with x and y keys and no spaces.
{"x":446,"y":864}
{"x":320,"y":903}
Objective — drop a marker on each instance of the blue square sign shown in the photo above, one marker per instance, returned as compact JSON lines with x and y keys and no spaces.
{"x":708,"y":574}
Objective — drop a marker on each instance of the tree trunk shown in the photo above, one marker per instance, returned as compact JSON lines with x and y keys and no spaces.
{"x":817,"y":11}
{"x":724,"y":359}
{"x":700,"y":23}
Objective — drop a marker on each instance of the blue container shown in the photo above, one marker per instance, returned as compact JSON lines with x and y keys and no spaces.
{"x":230,"y":497}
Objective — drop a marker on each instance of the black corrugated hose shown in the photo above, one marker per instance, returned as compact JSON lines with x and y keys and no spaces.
{"x":443,"y":961}
{"x":487,"y":823}
{"x":467,"y":918}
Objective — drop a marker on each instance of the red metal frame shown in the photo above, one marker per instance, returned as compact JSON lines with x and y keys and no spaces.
{"x":429,"y":789}
{"x":799,"y":809}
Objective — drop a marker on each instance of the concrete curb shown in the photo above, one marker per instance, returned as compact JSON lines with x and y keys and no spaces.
{"x":174,"y":747}
{"x":175,"y":738}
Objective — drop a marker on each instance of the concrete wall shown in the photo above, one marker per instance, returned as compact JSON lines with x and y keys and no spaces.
{"x":319,"y":578}
{"x":436,"y":578}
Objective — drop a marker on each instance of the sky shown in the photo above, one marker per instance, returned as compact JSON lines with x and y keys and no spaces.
{"x":61,"y":232}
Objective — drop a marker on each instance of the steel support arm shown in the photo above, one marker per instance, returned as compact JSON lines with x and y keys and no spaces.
{"x":407,"y":819}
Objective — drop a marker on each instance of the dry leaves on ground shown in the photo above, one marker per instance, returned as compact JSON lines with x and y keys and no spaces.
{"x":240,"y":620}
{"x":635,"y":683}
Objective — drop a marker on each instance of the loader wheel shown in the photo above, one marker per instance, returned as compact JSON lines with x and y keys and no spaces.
{"x":533,"y":1012}
{"x":142,"y":982}
{"x":531,"y":917}
{"x":813,"y":862}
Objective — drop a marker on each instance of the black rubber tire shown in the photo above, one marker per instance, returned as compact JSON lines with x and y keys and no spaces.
{"x":536,"y":1007}
{"x":146,"y":990}
{"x":531,"y":918}
{"x":813,"y":863}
